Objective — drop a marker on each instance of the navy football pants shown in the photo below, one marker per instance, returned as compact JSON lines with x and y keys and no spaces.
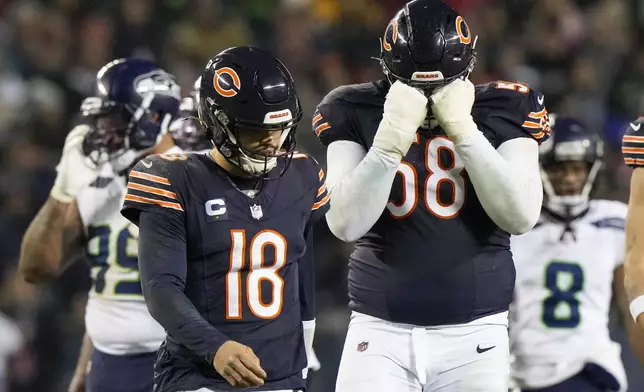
{"x":592,"y":378}
{"x":121,"y":373}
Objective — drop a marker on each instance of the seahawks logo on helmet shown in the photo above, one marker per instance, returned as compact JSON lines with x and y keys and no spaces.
{"x":157,"y":82}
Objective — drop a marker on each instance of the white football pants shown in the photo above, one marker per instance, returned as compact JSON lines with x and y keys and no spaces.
{"x":381,"y":356}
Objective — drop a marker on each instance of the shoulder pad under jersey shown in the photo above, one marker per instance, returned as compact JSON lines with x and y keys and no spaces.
{"x":154,"y":184}
{"x":608,"y":214}
{"x":315,"y":180}
{"x":335,"y":116}
{"x":506,"y":110}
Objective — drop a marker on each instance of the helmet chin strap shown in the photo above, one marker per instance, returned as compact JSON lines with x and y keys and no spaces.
{"x":245,"y":162}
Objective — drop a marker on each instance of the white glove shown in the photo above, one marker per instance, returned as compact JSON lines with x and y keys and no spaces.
{"x":404,"y":112}
{"x":313,"y":361}
{"x":74,"y":169}
{"x":452,"y":107}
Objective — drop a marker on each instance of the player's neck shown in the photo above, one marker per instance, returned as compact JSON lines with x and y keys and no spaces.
{"x":164,"y":145}
{"x":224,"y":164}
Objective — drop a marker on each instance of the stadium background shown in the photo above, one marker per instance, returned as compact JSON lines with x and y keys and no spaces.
{"x":587,"y":56}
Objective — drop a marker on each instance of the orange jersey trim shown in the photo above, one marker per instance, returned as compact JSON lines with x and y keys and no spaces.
{"x":146,"y":200}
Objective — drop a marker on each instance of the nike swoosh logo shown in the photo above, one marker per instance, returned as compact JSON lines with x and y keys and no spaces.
{"x":482,"y":350}
{"x":147,"y":164}
{"x":540,"y":100}
{"x":636,"y":127}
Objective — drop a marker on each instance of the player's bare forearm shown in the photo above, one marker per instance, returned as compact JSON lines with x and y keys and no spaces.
{"x":84,"y":357}
{"x":85,"y":354}
{"x":51,"y":239}
{"x":635,"y":335}
{"x":634,"y":258}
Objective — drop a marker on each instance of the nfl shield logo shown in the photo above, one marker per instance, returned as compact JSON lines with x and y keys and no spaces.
{"x":256,"y":211}
{"x":362,"y":346}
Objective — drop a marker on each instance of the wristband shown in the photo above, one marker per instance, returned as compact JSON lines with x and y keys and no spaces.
{"x":636,"y":307}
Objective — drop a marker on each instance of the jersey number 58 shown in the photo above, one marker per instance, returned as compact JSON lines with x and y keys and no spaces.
{"x":439,"y":174}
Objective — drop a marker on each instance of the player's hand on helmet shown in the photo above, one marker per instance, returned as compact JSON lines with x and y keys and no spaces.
{"x":405,"y":110}
{"x":239,"y":365}
{"x":452,"y":107}
{"x":74,"y":170}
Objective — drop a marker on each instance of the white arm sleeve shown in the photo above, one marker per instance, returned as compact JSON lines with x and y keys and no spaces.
{"x":507,"y":180}
{"x":359,"y":184}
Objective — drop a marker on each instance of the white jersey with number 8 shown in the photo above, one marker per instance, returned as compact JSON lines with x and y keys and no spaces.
{"x":559,"y":317}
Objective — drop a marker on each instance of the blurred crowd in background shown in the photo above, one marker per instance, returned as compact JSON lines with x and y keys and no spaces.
{"x":587,"y":56}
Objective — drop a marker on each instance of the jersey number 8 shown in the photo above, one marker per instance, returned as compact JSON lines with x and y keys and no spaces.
{"x":561,"y":308}
{"x":439,"y":174}
{"x":256,"y":273}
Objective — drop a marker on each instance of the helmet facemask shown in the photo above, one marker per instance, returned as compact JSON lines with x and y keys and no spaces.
{"x":568,"y":181}
{"x":231,"y":137}
{"x":117,"y":134}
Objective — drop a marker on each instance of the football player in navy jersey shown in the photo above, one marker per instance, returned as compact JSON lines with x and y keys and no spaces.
{"x":430,"y":175}
{"x":633,"y":152}
{"x":225,"y":237}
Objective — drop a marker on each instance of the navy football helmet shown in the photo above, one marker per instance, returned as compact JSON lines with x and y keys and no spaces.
{"x":247,"y":92}
{"x":187,"y":131}
{"x":427,"y":45}
{"x":134,"y":103}
{"x":570,"y":162}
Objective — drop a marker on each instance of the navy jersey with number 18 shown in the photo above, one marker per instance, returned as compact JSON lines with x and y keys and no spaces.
{"x":243,"y":254}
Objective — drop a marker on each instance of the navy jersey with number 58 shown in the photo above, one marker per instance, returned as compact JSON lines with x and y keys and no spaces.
{"x":243,"y":254}
{"x":434,"y":257}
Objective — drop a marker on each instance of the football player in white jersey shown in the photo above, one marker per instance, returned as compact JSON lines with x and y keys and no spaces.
{"x":135,"y":102}
{"x":568,"y":268}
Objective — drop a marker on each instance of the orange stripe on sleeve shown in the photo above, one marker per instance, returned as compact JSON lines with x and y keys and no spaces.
{"x":149,"y":177}
{"x":320,"y":128}
{"x":147,"y":200}
{"x":531,"y":124}
{"x":151,"y":189}
{"x":633,"y":139}
{"x":321,"y":190}
{"x":538,"y":115}
{"x":322,"y":202}
{"x":633,"y":150}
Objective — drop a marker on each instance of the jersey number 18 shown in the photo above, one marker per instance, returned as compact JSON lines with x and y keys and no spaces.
{"x":257,"y":272}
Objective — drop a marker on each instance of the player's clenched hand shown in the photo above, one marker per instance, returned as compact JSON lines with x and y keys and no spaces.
{"x":239,"y":365}
{"x":74,"y":173}
{"x":452,"y":107}
{"x":405,"y":110}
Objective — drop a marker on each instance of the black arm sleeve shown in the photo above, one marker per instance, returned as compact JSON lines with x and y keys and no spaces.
{"x":307,"y":280}
{"x":163,"y":265}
